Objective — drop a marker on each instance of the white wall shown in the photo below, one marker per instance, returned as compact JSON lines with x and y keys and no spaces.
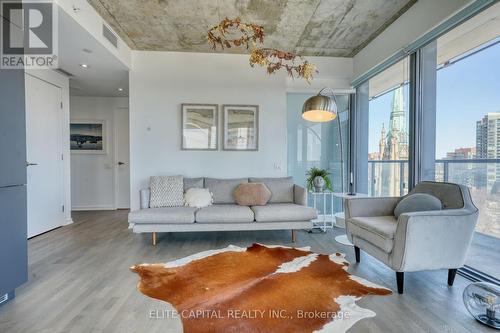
{"x":422,"y":17}
{"x":161,"y":81}
{"x":92,"y":175}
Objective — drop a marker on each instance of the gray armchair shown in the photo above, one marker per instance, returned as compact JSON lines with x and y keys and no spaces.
{"x":415,"y":241}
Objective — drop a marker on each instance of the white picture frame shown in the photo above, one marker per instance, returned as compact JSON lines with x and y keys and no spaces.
{"x":240,"y":127}
{"x":88,"y":136}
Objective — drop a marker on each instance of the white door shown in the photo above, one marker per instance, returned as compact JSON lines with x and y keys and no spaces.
{"x":44,"y":156}
{"x":122,"y":168}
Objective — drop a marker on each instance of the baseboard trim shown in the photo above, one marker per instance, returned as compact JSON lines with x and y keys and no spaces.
{"x":79,"y":208}
{"x":69,"y":221}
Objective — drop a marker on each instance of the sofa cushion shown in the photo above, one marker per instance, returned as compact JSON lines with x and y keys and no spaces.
{"x":281,"y":188}
{"x":225,"y":213}
{"x":283,"y":212}
{"x":198,"y":197}
{"x":378,"y":230}
{"x":222,"y":189}
{"x":417,"y":202}
{"x":193,"y":183}
{"x":174,"y":215}
{"x":166,"y":191}
{"x":252,"y":194}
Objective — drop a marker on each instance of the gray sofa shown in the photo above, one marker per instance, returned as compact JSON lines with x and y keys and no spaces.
{"x":416,"y":241}
{"x":286,"y":210}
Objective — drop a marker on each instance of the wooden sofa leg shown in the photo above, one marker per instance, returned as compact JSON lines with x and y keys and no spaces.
{"x":400,"y":278}
{"x":153,"y":238}
{"x":357,"y":253}
{"x":451,"y":276}
{"x":294,"y":236}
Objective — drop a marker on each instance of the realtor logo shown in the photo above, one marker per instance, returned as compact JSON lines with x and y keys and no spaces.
{"x":29,"y":34}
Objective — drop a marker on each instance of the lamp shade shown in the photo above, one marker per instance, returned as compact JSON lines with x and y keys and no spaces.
{"x":319,"y":109}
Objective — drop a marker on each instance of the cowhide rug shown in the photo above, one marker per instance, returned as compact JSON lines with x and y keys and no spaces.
{"x":259,"y":289}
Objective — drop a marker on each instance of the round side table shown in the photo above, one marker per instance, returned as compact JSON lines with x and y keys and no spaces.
{"x":340,"y":217}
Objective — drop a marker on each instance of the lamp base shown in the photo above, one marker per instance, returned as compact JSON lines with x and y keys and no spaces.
{"x":491,"y":322}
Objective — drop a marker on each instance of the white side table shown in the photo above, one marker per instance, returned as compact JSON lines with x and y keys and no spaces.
{"x":340,"y":217}
{"x":326,"y":220}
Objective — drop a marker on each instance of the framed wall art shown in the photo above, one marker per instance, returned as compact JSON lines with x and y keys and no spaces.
{"x":199,"y":126}
{"x":240,"y":127}
{"x":88,"y":136}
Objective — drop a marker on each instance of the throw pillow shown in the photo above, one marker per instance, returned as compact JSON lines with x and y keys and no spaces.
{"x":198,"y":197}
{"x":166,"y":191}
{"x":417,"y":202}
{"x":252,"y":194}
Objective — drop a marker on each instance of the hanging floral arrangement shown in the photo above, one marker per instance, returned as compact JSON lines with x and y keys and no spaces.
{"x":229,"y":33}
{"x":275,"y":60}
{"x":234,"y":33}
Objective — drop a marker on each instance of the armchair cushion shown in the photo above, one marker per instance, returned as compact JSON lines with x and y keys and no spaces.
{"x":378,"y":230}
{"x":417,"y":202}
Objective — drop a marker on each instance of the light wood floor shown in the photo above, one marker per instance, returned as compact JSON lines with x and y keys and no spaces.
{"x":79,"y":281}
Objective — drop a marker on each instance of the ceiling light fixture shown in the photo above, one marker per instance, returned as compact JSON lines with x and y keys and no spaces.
{"x":120,"y":89}
{"x":84,"y":66}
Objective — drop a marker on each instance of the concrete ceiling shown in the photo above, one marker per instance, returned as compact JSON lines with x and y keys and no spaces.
{"x":310,"y":27}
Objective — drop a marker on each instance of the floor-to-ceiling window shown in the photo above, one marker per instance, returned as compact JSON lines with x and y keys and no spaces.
{"x":453,"y":101}
{"x":468,"y":126}
{"x":316,"y":144}
{"x":388,"y":137}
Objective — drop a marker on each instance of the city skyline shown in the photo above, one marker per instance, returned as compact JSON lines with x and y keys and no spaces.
{"x":462,"y":100}
{"x":478,"y":150}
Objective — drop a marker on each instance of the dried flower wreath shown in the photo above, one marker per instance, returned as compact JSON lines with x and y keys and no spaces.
{"x":276,"y":59}
{"x":223,"y":35}
{"x":250,"y":33}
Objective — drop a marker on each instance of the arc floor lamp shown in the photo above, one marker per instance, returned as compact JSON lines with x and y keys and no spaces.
{"x":323,"y":108}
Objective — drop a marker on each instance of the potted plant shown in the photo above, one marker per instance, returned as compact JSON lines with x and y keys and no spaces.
{"x":318,"y":179}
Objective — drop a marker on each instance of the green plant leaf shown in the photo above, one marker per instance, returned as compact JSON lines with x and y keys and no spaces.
{"x":317,"y":172}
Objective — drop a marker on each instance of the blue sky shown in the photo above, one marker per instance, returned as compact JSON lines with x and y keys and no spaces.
{"x":466,"y":91}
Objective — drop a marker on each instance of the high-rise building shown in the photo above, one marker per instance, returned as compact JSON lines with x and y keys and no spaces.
{"x":463,"y":173}
{"x":488,"y":145}
{"x":462,"y":153}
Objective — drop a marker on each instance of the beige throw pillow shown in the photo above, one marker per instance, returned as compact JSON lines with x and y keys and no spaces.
{"x":252,"y":194}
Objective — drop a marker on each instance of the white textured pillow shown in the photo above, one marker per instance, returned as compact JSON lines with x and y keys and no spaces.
{"x":166,"y":191}
{"x":198,"y":197}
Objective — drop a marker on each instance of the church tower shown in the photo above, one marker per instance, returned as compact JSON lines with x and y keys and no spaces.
{"x":393,"y":146}
{"x":397,"y":136}
{"x":381,"y":143}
